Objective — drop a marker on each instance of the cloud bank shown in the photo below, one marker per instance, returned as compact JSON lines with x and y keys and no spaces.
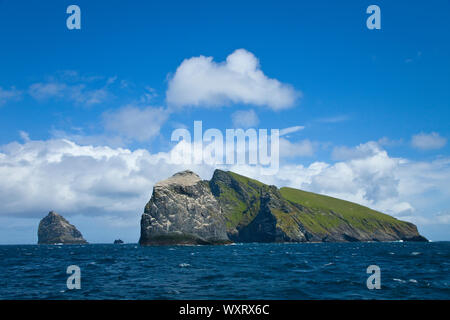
{"x":58,"y":174}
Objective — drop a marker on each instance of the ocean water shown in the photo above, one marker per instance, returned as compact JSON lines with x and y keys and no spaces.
{"x":241,"y":271}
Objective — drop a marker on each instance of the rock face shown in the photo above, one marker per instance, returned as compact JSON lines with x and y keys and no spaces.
{"x":185,"y":209}
{"x":55,"y":229}
{"x":182,"y":210}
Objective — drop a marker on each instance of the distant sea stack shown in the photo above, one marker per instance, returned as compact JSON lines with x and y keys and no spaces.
{"x":55,"y":229}
{"x":232,"y":208}
{"x":118,"y":241}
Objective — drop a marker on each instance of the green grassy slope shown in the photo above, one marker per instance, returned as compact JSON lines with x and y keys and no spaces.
{"x":301,"y":214}
{"x":324,"y":212}
{"x":238,"y":195}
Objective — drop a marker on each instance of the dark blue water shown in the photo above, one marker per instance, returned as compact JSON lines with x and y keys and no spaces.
{"x":242,"y":271}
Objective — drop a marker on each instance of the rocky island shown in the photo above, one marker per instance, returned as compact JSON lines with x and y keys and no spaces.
{"x":55,"y":229}
{"x":185,"y":209}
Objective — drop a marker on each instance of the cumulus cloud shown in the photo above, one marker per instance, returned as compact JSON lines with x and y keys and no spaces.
{"x":245,"y":119}
{"x":10,"y":94}
{"x":428,"y":141}
{"x":361,"y":151}
{"x":372,"y":178}
{"x":38,"y":176}
{"x":200,"y":81}
{"x":131,"y":122}
{"x":115,"y":183}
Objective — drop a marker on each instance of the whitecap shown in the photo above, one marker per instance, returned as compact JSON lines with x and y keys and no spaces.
{"x":413,"y":280}
{"x":415,"y":253}
{"x":184,"y":265}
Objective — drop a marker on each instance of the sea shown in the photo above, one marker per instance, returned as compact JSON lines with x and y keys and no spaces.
{"x":240,"y":271}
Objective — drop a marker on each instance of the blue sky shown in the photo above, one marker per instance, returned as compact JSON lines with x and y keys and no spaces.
{"x":371,"y":99}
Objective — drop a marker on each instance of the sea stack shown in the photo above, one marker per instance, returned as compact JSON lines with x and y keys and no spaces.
{"x":182,"y":210}
{"x":55,"y":229}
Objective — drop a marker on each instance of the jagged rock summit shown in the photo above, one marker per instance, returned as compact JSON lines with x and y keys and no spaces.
{"x":55,"y":229}
{"x":232,"y":208}
{"x":182,"y":210}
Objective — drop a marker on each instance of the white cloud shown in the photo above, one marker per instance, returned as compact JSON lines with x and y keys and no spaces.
{"x":24,"y":135}
{"x":116,"y":183}
{"x":80,"y":137}
{"x":303,"y":148}
{"x":41,"y":91}
{"x":7,"y":95}
{"x":372,"y":178}
{"x":69,"y":85}
{"x":335,"y":119}
{"x":289,"y":130}
{"x":76,"y":93}
{"x":385,"y":141}
{"x":428,"y":141}
{"x":244,"y":119}
{"x":131,"y":122}
{"x":199,"y":81}
{"x":38,"y":176}
{"x":441,"y":219}
{"x":361,"y":151}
